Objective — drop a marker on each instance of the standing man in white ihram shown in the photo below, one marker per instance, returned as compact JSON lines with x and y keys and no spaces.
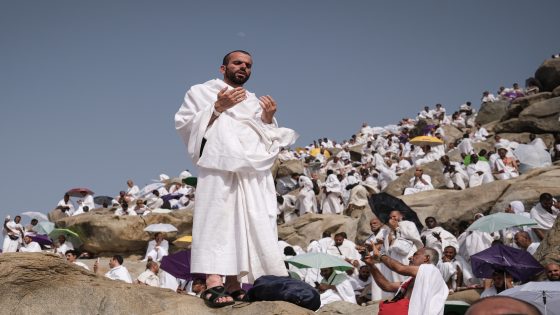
{"x":233,"y":139}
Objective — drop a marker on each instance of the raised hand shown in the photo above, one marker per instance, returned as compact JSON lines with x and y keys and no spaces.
{"x":268,"y":105}
{"x":229,"y":98}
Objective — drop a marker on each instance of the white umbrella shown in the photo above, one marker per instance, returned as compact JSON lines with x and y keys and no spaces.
{"x":160,"y":227}
{"x":36,"y":215}
{"x":545,"y":295}
{"x":160,"y":210}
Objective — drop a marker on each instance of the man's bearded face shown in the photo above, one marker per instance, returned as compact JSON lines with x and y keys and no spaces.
{"x":238,"y":69}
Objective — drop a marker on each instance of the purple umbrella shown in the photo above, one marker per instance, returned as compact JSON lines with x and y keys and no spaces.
{"x":518,"y":263}
{"x":171,"y":196}
{"x":41,"y":239}
{"x":179,"y":265}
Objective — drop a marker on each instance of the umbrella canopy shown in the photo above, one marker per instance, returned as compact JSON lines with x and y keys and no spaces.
{"x":70,"y":235}
{"x":183,"y":240}
{"x":160,"y":227}
{"x":319,"y":260}
{"x":44,"y":227}
{"x":41,"y":239}
{"x":171,"y":196}
{"x":77,"y":192}
{"x":425,"y":140}
{"x":545,"y":295}
{"x":179,"y":265}
{"x":36,"y":215}
{"x":382,"y":204}
{"x":499,"y":221}
{"x":518,"y":263}
{"x":100,"y":200}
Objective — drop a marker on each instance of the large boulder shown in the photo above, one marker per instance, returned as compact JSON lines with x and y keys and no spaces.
{"x":37,"y":283}
{"x":548,"y":74}
{"x":492,"y":111}
{"x":310,"y":227}
{"x":519,"y":104}
{"x":287,"y":168}
{"x":541,"y":117}
{"x":396,"y":187}
{"x":549,"y":250}
{"x":451,"y":207}
{"x":452,"y":134}
{"x":103,"y":232}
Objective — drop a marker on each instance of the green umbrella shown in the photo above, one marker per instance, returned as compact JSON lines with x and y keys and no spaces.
{"x":191,"y":181}
{"x":44,"y":227}
{"x":319,"y":260}
{"x":499,"y":221}
{"x":71,"y":236}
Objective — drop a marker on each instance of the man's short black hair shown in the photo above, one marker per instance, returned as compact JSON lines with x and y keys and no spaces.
{"x":225,"y":61}
{"x":72,"y":252}
{"x":545,"y":197}
{"x":119,"y":259}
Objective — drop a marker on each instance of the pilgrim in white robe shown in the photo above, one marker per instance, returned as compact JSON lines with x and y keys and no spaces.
{"x":32,"y":247}
{"x":332,"y":203}
{"x":344,"y":290}
{"x":429,"y":293}
{"x":152,"y":245}
{"x":234,"y":225}
{"x":466,"y":146}
{"x":157,"y":253}
{"x":544,"y":219}
{"x":472,"y":242}
{"x":68,"y":204}
{"x":504,"y":171}
{"x":406,"y":241}
{"x":447,"y":239}
{"x":345,"y":251}
{"x":476,"y":179}
{"x":119,"y":273}
{"x":149,"y":278}
{"x":288,"y":208}
{"x":415,"y":186}
{"x":449,"y":271}
{"x":9,"y":245}
{"x":459,"y":177}
{"x":306,"y":201}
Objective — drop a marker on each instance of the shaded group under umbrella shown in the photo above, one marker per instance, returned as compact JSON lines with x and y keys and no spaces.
{"x":101,"y":200}
{"x":70,"y":235}
{"x":382,"y":204}
{"x":499,"y":258}
{"x":78,"y":192}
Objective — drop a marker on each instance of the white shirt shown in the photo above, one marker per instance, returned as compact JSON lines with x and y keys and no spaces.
{"x":149,"y":278}
{"x":119,"y":273}
{"x":32,"y":247}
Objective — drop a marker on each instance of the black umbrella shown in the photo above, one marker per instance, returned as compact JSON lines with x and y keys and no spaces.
{"x":100,"y":200}
{"x":382,"y":204}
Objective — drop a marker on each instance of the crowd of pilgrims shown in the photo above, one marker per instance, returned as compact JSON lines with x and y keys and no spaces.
{"x":336,"y":178}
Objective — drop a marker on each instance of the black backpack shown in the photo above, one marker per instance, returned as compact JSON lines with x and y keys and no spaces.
{"x":274,"y":288}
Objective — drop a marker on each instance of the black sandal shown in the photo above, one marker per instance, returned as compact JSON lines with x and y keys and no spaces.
{"x":212,"y":295}
{"x":235,"y":295}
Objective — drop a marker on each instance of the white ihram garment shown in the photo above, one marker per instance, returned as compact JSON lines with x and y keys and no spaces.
{"x":234,"y":228}
{"x":331,"y":202}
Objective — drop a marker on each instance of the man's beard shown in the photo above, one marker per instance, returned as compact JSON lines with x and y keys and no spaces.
{"x":240,"y":81}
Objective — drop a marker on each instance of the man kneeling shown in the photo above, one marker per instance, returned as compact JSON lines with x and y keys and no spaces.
{"x":424,"y":293}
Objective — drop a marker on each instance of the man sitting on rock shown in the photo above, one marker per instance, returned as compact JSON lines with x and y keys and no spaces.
{"x":344,"y":248}
{"x":29,"y":246}
{"x":117,"y":271}
{"x":149,"y":276}
{"x":456,"y":272}
{"x":436,"y":237}
{"x":335,"y":287}
{"x":423,"y":293}
{"x":63,"y":246}
{"x":72,"y":257}
{"x":505,"y":167}
{"x":545,"y":213}
{"x":479,"y":171}
{"x":420,"y":182}
{"x":157,"y":248}
{"x":454,"y":174}
{"x":361,"y":282}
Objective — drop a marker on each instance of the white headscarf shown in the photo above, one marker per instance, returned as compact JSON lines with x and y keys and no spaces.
{"x":517,"y":207}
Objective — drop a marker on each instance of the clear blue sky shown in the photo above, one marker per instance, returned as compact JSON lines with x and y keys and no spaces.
{"x":88,"y":89}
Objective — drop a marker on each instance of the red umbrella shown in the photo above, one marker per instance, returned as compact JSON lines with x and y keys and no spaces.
{"x":77,"y":192}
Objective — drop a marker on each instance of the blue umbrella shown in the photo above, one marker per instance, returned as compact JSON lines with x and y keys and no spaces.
{"x":518,"y":263}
